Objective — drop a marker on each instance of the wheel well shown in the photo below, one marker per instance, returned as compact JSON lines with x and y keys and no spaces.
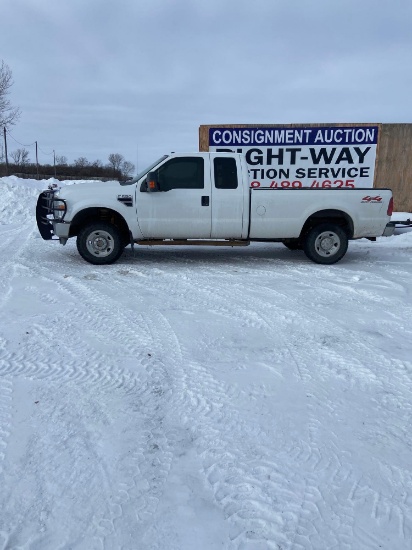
{"x":99,"y":214}
{"x":328,"y":216}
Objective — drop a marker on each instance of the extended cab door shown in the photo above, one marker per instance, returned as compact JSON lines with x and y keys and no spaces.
{"x":182,"y":209}
{"x":230,"y":195}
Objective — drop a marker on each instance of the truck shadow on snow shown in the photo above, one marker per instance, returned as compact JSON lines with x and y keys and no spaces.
{"x":263,"y":253}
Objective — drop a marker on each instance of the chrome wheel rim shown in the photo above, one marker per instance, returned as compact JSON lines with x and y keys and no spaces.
{"x":327,"y":244}
{"x":100,"y":243}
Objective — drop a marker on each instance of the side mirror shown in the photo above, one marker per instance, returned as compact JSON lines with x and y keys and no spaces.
{"x":152,"y":182}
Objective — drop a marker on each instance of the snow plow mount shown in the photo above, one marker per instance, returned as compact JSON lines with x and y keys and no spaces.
{"x":45,"y":214}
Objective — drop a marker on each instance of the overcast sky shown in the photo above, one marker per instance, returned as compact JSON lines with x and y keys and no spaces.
{"x":136,"y":77}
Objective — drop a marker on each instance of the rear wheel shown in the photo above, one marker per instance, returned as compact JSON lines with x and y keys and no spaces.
{"x":100,"y":243}
{"x":326,"y":243}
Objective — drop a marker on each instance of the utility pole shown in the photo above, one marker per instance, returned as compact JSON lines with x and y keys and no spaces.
{"x":37,"y":162}
{"x":5,"y":151}
{"x":54,"y":162}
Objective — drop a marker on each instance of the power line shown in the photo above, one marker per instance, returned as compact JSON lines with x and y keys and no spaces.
{"x":52,"y":153}
{"x":30,"y":145}
{"x":22,"y":144}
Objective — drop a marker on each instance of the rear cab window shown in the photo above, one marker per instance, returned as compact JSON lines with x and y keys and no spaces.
{"x":225,"y":172}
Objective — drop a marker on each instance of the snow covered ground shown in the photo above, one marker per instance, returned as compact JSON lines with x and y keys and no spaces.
{"x":202,"y":399}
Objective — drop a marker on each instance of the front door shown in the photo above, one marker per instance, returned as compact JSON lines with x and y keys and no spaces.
{"x":182,"y":209}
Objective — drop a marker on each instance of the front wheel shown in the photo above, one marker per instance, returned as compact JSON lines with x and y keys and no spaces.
{"x":326,"y":243}
{"x":100,"y":243}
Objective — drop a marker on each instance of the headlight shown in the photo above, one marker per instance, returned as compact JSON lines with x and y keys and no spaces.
{"x":59,"y":209}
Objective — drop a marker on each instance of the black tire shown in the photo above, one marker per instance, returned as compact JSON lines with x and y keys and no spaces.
{"x":293,"y":244}
{"x":100,"y":243}
{"x":326,"y":243}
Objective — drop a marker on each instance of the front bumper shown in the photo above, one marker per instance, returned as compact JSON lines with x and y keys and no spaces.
{"x":61,"y":230}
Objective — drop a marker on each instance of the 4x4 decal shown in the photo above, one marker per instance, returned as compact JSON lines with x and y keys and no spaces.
{"x":377,"y":198}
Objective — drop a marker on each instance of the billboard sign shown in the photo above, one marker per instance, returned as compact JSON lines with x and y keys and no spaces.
{"x":313,"y":156}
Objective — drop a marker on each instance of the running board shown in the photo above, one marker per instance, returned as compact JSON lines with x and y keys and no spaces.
{"x":192,"y":242}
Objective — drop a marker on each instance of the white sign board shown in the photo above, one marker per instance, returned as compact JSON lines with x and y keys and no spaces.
{"x":335,"y":156}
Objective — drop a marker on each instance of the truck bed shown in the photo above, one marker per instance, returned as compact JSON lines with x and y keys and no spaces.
{"x":279,"y":213}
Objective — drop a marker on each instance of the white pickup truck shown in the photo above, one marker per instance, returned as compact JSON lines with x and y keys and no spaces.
{"x":206,"y":199}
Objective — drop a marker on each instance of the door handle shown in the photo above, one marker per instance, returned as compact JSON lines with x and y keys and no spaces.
{"x":205,"y":201}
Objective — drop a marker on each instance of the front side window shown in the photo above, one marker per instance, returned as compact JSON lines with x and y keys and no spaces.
{"x":182,"y":173}
{"x":225,"y":173}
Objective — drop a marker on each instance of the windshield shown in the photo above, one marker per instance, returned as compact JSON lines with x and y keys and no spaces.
{"x":146,"y":170}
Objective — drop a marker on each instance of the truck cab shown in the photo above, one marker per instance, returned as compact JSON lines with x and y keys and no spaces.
{"x":198,"y":196}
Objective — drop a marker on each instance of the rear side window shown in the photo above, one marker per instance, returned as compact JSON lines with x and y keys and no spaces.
{"x":182,"y":173}
{"x":225,"y":173}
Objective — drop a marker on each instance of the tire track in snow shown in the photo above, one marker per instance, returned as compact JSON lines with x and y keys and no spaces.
{"x":341,"y":471}
{"x":150,"y":462}
{"x":16,"y":364}
{"x":145,"y":468}
{"x":199,"y":404}
{"x":47,"y":341}
{"x":14,"y":242}
{"x":60,"y":470}
{"x":6,"y":390}
{"x":135,"y":500}
{"x":132,"y":503}
{"x":312,"y":458}
{"x":323,"y":399}
{"x":205,"y":407}
{"x":394,"y":383}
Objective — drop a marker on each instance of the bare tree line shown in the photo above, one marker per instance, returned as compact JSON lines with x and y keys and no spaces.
{"x":116,"y":167}
{"x":116,"y":162}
